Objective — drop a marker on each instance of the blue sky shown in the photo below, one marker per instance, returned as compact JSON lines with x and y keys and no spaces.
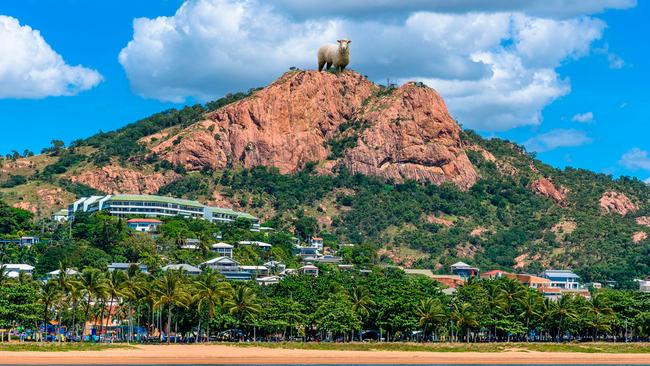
{"x":568,"y":79}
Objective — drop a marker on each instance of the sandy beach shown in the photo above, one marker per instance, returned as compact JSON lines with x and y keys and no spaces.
{"x":221,"y":354}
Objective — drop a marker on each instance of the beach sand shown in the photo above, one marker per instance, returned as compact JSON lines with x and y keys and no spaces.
{"x":221,"y":354}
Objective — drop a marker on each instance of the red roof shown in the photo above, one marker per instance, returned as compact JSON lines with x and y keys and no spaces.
{"x":152,"y":221}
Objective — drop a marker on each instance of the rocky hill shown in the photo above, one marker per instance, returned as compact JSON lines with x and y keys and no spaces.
{"x":384,"y":167}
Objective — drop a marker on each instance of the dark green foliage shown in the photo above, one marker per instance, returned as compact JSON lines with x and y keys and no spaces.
{"x":14,"y":219}
{"x":13,"y":181}
{"x":190,"y":186}
{"x":79,"y":189}
{"x":67,"y":159}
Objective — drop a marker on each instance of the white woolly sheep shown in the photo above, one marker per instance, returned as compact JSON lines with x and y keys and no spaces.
{"x":333,"y":55}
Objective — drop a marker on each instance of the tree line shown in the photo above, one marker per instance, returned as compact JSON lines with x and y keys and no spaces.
{"x":337,"y":305}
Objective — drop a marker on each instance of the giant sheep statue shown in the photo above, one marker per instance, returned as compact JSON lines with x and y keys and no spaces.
{"x":333,"y":55}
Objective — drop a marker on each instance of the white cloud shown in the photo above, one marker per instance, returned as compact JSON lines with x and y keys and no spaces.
{"x":636,"y":159}
{"x":30,"y":68}
{"x":557,"y":138}
{"x":496,"y":70}
{"x":647,"y":180}
{"x":583,"y":117}
{"x":373,"y":8}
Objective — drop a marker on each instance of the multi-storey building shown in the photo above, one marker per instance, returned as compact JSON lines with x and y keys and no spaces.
{"x":157,"y":206}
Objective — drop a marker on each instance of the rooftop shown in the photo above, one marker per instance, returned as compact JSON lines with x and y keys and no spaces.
{"x":152,"y":198}
{"x":184,"y":266}
{"x":150,"y":221}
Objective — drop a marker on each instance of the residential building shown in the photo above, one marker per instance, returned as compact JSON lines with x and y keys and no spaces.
{"x":60,"y":216}
{"x":345,"y":267}
{"x":268,"y":280}
{"x":228,"y":267}
{"x":275,"y":266}
{"x":55,"y":274}
{"x":530,"y":280}
{"x":644,"y":285}
{"x":144,"y":225}
{"x":493,"y":274}
{"x":260,"y":244}
{"x":323,"y":259}
{"x":563,"y":279}
{"x":451,"y":281}
{"x":306,"y":251}
{"x":308,"y":269}
{"x":223,"y":249}
{"x":255,"y":271}
{"x":191,"y":244}
{"x":124,"y":267}
{"x":464,"y":270}
{"x":12,"y":270}
{"x":551,"y":293}
{"x":316,"y":242}
{"x":187,"y":268}
{"x":158,"y":206}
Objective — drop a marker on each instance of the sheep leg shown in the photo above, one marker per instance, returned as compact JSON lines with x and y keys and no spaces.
{"x":320,"y":65}
{"x":327,"y":67}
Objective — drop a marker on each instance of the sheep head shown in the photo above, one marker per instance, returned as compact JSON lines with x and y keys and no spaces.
{"x":344,"y":45}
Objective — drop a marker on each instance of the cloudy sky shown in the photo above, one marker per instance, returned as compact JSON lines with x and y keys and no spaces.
{"x":568,"y":79}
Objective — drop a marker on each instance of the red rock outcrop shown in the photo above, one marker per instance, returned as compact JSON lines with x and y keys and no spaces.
{"x":643,"y":220}
{"x":617,"y":202}
{"x":639,"y":236}
{"x":546,"y":188}
{"x":27,"y":206}
{"x":114,"y":179}
{"x":405,"y":133}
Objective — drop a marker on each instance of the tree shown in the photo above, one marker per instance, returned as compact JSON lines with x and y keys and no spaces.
{"x":48,"y":297}
{"x":170,"y":290}
{"x":211,"y":290}
{"x":93,"y":285}
{"x":465,"y":317}
{"x":243,"y":304}
{"x":336,"y":315}
{"x":431,"y":314}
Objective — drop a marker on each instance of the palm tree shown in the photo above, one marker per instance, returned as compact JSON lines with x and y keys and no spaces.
{"x":210,"y":291}
{"x":170,"y":290}
{"x":243,"y":304}
{"x":133,"y":285}
{"x":93,"y":286}
{"x":361,"y":301}
{"x":465,"y":317}
{"x":560,"y":311}
{"x":600,"y":309}
{"x":114,"y":291}
{"x":431,"y":313}
{"x":529,"y":306}
{"x":49,"y":295}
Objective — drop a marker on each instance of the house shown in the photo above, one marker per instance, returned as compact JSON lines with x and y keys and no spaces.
{"x":308,"y":269}
{"x":189,"y":269}
{"x":551,"y":293}
{"x":451,"y":281}
{"x":275,"y":266}
{"x":563,"y":279}
{"x":644,"y":285}
{"x":493,"y":274}
{"x":260,"y":244}
{"x":222,"y":264}
{"x":223,"y":249}
{"x":60,"y":216}
{"x":55,"y":274}
{"x":255,"y":271}
{"x":306,"y":251}
{"x":13,"y":270}
{"x":316,"y":242}
{"x":531,"y":281}
{"x":191,"y":243}
{"x":144,"y":225}
{"x":323,"y":259}
{"x":464,"y":270}
{"x":345,"y":267}
{"x":269,"y":280}
{"x":124,"y":267}
{"x":228,"y":267}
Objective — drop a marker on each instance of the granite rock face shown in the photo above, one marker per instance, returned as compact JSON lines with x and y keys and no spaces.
{"x":334,"y":120}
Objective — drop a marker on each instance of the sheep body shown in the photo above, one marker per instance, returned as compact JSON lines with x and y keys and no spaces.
{"x":332,"y":55}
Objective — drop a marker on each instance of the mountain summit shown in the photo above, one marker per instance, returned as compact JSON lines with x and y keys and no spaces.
{"x":334,"y":120}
